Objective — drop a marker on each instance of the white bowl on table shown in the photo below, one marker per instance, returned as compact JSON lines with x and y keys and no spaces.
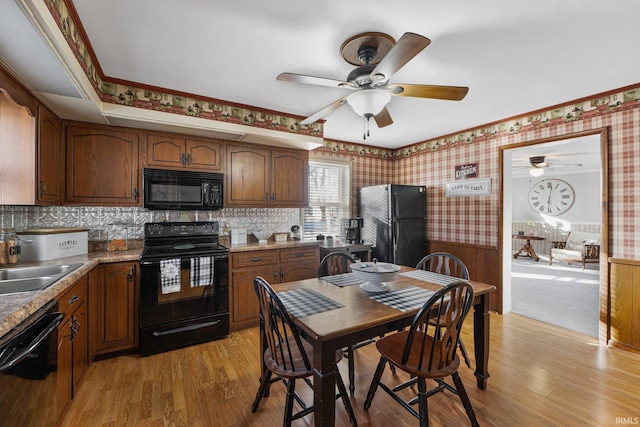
{"x":262,"y":236}
{"x":375,"y":274}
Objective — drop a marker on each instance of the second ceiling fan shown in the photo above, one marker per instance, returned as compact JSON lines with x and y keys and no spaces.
{"x":377,"y":57}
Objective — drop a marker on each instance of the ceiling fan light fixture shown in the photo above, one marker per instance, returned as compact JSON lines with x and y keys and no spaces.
{"x":535,"y":171}
{"x":368,"y":102}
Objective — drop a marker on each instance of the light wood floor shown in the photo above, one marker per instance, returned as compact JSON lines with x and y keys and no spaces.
{"x":540,"y":376}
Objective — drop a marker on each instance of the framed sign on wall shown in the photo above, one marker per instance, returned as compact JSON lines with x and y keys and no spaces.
{"x":469,"y":187}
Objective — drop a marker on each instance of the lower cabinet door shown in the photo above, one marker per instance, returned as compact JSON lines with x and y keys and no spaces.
{"x":300,"y":271}
{"x":80,"y":344}
{"x":245,"y":301}
{"x":115,"y":302}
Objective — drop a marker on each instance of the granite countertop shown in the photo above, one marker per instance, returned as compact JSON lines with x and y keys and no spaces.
{"x":255,"y":246}
{"x":14,"y":308}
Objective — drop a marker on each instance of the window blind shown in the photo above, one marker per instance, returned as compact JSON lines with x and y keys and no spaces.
{"x":329,"y":197}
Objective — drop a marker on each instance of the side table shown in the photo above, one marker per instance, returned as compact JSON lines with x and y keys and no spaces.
{"x":527,"y":249}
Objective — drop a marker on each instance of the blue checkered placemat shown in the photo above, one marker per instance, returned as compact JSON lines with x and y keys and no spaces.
{"x":428,"y":276}
{"x":342,"y":280}
{"x":305,"y":302}
{"x":404,"y":299}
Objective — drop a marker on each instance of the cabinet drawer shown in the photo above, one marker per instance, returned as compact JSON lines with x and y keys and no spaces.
{"x":73,"y":297}
{"x":300,"y":254}
{"x":254,"y":258}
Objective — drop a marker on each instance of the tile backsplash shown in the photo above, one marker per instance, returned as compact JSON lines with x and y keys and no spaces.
{"x":106,"y":223}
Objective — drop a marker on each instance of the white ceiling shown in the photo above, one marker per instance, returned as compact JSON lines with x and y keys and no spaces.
{"x":563,"y":157}
{"x":515,"y":56}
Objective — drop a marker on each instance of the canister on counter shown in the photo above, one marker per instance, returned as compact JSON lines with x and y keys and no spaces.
{"x":9,"y":246}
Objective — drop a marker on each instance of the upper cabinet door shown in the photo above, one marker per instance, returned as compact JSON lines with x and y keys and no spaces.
{"x":204,"y":155}
{"x":247,"y":176}
{"x":50,"y":167}
{"x":102,"y":166}
{"x":17,"y":153}
{"x":289,"y":178}
{"x":165,"y":151}
{"x":176,"y":152}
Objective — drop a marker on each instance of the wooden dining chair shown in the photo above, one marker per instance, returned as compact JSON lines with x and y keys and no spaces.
{"x":288,"y":356}
{"x":428,"y":351}
{"x":340,"y":263}
{"x":449,"y":265}
{"x":335,"y":263}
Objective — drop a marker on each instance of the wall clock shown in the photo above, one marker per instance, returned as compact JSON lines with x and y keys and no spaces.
{"x":551,"y":197}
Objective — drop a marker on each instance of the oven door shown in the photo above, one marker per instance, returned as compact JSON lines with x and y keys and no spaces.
{"x":183,"y":287}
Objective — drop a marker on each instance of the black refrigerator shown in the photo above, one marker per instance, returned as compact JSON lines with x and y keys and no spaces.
{"x":395,"y":222}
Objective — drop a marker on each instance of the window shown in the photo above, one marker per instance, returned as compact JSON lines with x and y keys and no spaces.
{"x":329,"y":196}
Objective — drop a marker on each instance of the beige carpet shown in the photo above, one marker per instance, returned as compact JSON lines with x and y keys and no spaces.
{"x":561,"y":294}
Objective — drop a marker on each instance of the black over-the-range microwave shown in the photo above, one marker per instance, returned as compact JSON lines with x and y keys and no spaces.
{"x":182,"y":190}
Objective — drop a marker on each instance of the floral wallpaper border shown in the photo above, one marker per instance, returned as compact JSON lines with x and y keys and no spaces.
{"x":625,"y":99}
{"x":163,"y":100}
{"x":112,"y":92}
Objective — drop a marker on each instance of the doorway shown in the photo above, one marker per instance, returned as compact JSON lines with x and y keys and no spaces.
{"x":564,"y":151}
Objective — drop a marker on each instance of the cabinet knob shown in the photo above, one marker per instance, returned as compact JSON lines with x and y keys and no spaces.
{"x":134,"y":194}
{"x":183,"y":159}
{"x":188,"y":159}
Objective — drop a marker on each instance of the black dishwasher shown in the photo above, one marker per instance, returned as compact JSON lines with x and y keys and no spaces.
{"x":28,"y":365}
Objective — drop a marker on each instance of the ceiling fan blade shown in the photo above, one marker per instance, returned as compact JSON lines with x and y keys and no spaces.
{"x":326,"y":110}
{"x":564,"y":164}
{"x":383,"y":118}
{"x":409,"y":45}
{"x":451,"y":93}
{"x":311,"y":80}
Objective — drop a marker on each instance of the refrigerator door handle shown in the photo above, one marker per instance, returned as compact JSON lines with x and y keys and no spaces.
{"x":396,"y":232}
{"x":394,"y":204}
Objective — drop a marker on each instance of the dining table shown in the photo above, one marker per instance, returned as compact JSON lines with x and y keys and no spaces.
{"x":333,"y":312}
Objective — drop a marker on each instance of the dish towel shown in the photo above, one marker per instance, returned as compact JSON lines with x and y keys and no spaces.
{"x":170,"y":275}
{"x":202,"y":271}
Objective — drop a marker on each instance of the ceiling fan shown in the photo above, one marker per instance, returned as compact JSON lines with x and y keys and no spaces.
{"x":539,"y":163}
{"x":377,"y":57}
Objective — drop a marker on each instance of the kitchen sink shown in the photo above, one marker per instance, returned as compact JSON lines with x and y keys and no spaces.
{"x":26,"y":279}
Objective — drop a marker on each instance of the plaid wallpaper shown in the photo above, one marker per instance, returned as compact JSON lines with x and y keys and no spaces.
{"x":475,"y":220}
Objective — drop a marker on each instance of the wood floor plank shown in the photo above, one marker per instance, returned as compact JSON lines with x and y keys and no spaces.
{"x":540,"y":375}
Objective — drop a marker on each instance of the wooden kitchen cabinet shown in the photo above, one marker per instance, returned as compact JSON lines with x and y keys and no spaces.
{"x":264,"y":177}
{"x":177,"y":152}
{"x":102,"y":165}
{"x":50,"y":168}
{"x":72,"y":343}
{"x":31,"y":160}
{"x":289,"y":178}
{"x":114,"y":308}
{"x":275,"y":266}
{"x":299,"y":263}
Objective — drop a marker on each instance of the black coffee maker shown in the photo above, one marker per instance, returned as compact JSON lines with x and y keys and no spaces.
{"x":352,"y":228}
